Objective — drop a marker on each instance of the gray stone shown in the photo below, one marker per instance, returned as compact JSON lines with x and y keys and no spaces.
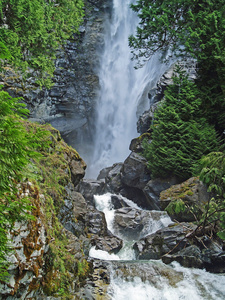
{"x":134,"y":171}
{"x":88,"y":188}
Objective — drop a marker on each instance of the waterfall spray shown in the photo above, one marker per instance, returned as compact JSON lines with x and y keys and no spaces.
{"x":122,"y":90}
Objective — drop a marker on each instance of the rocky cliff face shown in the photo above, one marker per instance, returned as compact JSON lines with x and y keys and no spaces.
{"x":69,"y":105}
{"x":50,"y":250}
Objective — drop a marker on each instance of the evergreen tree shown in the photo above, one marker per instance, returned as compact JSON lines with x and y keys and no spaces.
{"x":188,"y":27}
{"x":180,"y":134}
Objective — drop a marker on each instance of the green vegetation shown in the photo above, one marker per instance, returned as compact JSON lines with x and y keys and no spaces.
{"x":189,"y":124}
{"x":16,"y":150}
{"x":193,"y":28}
{"x":212,"y":173}
{"x":32,"y":155}
{"x":35,"y":153}
{"x":180,"y":134}
{"x":32,"y":30}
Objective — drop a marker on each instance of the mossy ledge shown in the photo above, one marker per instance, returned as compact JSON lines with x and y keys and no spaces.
{"x":43,"y":262}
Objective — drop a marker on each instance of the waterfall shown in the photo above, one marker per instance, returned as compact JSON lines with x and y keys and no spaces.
{"x":123,"y":94}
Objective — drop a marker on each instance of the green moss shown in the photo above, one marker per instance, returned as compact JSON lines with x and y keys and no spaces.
{"x":53,"y":174}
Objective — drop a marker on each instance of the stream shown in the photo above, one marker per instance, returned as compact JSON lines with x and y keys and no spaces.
{"x":123,"y":97}
{"x":141,"y":280}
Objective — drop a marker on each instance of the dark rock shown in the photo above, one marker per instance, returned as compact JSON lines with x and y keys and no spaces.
{"x":153,"y":189}
{"x":118,"y":201}
{"x":88,"y":188}
{"x":113,"y":178}
{"x":134,"y":172}
{"x":167,"y":240}
{"x":189,"y":257}
{"x":104,"y":173}
{"x":72,"y":213}
{"x":144,"y":121}
{"x":111,"y":244}
{"x":95,"y":222}
{"x":193,"y":193}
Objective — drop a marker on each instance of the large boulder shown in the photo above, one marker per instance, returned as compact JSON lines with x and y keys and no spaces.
{"x":192,"y":196}
{"x":110,"y":244}
{"x":113,"y":178}
{"x":135,"y":223}
{"x":153,"y":189}
{"x":88,"y":188}
{"x":164,"y":241}
{"x":134,"y":172}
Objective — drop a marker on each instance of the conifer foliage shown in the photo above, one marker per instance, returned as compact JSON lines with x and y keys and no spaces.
{"x":181,"y":135}
{"x":188,"y":27}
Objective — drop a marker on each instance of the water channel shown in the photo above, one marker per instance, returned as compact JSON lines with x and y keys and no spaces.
{"x":122,"y":98}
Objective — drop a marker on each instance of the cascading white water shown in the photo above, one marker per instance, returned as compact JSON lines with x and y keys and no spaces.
{"x":123,"y":91}
{"x":103,"y":203}
{"x":123,"y":96}
{"x":153,"y":280}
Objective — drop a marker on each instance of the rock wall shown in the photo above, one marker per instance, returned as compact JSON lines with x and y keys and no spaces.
{"x":70,"y":104}
{"x":50,"y":250}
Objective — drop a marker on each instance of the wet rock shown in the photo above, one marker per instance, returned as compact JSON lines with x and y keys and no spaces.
{"x":134,"y":172}
{"x":135,"y":223}
{"x":153,"y":189}
{"x":170,"y":239}
{"x":88,"y":188}
{"x":96,"y":223}
{"x":193,"y":193}
{"x":118,"y":201}
{"x":113,"y":178}
{"x":111,"y":244}
{"x":189,"y":257}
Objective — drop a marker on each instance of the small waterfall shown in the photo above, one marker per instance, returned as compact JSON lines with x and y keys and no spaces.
{"x":103,"y":203}
{"x":152,"y":279}
{"x":123,"y":94}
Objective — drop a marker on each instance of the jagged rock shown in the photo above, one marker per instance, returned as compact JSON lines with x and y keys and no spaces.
{"x":134,"y":223}
{"x":111,"y":244}
{"x":153,"y":189}
{"x":88,"y":188}
{"x":134,"y":171}
{"x":29,"y":241}
{"x":192,"y":192}
{"x":72,"y":213}
{"x":189,"y":257}
{"x":136,"y":144}
{"x":144,"y":121}
{"x":188,"y":65}
{"x":95,"y":222}
{"x":103,"y":173}
{"x":166,"y":240}
{"x":118,"y":201}
{"x":113,"y":178}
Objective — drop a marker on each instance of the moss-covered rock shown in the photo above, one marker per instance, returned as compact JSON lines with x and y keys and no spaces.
{"x":185,"y":202}
{"x":46,"y":259}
